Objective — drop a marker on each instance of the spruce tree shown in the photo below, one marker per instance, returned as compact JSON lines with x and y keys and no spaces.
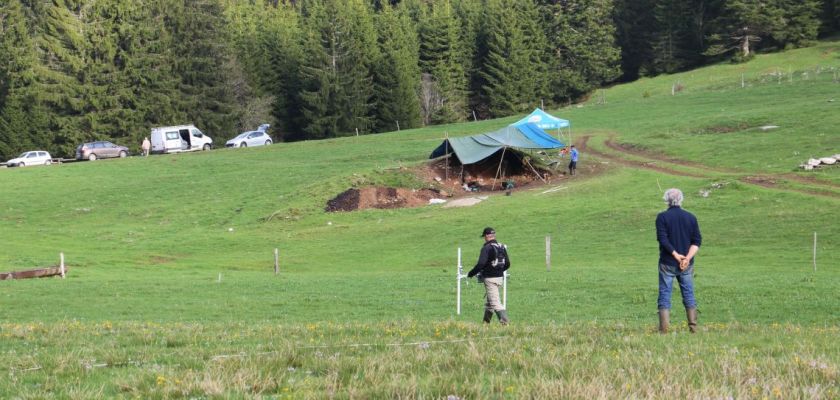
{"x":16,"y":77}
{"x":148,"y":69}
{"x":397,"y":73}
{"x":747,"y":25}
{"x":58,"y":110}
{"x":533,"y":20}
{"x":670,"y":36}
{"x":199,"y":50}
{"x":113,"y":100}
{"x":742,"y":25}
{"x":585,"y":46}
{"x":801,"y":23}
{"x":829,"y":17}
{"x":470,"y":14}
{"x":633,"y":22}
{"x":505,"y":67}
{"x":444,"y":85}
{"x":337,"y":92}
{"x":279,"y":39}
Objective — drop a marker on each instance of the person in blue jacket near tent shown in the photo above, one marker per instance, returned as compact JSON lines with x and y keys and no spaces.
{"x":574,"y":159}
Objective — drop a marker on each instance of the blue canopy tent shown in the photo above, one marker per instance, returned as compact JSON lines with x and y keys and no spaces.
{"x":547,"y":122}
{"x":477,"y":148}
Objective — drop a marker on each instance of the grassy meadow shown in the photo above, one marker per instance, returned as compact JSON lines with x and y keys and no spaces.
{"x":171,"y":291}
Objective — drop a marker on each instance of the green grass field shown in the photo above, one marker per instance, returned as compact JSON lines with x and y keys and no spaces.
{"x":171,"y":291}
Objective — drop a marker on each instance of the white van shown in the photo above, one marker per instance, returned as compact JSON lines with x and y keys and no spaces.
{"x":174,"y":139}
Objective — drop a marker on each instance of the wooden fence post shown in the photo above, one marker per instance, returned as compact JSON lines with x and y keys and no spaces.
{"x":276,"y":261}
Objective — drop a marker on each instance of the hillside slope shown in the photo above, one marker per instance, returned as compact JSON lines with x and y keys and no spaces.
{"x":150,"y":238}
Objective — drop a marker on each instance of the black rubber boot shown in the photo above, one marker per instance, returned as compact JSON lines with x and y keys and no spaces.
{"x":691,"y":314}
{"x":664,"y":320}
{"x":503,"y":318}
{"x":488,"y":316}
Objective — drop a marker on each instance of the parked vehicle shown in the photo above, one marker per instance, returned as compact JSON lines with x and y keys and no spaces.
{"x":251,"y":138}
{"x":30,"y":158}
{"x":101,"y":149}
{"x":175,"y":139}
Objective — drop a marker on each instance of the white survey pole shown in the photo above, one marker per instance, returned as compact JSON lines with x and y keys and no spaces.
{"x":504,"y":289}
{"x":460,"y":275}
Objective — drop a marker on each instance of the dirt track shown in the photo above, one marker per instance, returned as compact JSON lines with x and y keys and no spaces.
{"x":655,"y":162}
{"x":652,"y":165}
{"x":760,"y":179}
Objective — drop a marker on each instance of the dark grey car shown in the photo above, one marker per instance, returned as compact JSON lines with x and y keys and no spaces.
{"x":101,"y":149}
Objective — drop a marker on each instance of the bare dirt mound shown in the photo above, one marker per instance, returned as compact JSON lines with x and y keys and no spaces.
{"x":445,"y":178}
{"x":380,"y":197}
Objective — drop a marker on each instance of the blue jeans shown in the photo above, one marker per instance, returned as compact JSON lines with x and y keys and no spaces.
{"x":685,"y":278}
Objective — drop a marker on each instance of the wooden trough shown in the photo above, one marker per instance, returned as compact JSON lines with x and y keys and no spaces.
{"x":57,"y":270}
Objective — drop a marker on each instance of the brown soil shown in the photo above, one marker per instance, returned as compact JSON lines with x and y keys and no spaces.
{"x":760,"y":180}
{"x":159,"y":260}
{"x":380,"y":197}
{"x":481,"y":176}
{"x":446,"y":179}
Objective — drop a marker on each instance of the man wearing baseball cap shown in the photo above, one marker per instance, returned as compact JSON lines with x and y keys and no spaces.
{"x":491,"y":266}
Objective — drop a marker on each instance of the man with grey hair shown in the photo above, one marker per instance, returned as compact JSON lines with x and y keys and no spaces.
{"x":679,"y":240}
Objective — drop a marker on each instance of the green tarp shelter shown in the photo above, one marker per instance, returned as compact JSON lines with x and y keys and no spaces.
{"x":472,"y":149}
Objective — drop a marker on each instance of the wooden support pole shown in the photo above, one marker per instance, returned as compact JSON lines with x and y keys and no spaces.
{"x":446,"y":155}
{"x":61,"y":264}
{"x":499,"y":170}
{"x":276,"y":261}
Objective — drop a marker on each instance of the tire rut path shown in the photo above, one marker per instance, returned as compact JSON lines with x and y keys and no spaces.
{"x":768,"y":181}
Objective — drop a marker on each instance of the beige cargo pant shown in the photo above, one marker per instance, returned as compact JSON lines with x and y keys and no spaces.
{"x":491,"y":288}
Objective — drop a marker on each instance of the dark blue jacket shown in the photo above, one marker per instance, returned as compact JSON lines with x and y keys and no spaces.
{"x":676,"y":229}
{"x":483,"y":267}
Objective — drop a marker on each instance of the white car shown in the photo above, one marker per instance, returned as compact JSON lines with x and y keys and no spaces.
{"x":30,"y":158}
{"x":251,"y":138}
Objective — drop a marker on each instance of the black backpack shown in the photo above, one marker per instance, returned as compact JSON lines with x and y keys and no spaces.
{"x":499,"y":256}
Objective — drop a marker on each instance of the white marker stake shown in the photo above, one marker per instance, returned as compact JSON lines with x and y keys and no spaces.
{"x":460,"y":275}
{"x":504,"y":289}
{"x":61,"y":264}
{"x":220,"y":278}
{"x":548,"y":253}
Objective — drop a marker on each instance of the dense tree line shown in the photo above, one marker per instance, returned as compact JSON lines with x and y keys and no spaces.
{"x":79,"y":70}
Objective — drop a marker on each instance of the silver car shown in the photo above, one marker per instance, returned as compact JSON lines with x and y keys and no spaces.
{"x":30,"y":158}
{"x":251,"y":138}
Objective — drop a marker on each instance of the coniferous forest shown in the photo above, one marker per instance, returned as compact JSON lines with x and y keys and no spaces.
{"x":78,"y":70}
